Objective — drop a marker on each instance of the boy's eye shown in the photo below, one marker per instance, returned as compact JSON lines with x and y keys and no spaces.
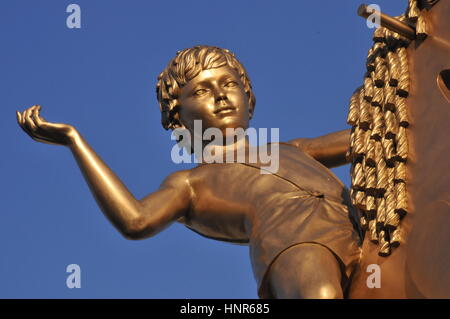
{"x":231,"y":84}
{"x":199,"y":92}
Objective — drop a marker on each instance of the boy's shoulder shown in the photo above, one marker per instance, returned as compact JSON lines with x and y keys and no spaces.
{"x":186,"y":177}
{"x":177,"y":179}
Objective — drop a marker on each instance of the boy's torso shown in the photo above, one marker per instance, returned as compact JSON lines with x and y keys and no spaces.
{"x":227,"y":197}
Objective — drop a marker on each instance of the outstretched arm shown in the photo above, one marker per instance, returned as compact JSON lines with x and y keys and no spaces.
{"x":135,"y":219}
{"x":330,"y":149}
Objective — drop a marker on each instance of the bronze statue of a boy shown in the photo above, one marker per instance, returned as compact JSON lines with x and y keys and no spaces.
{"x":302,"y":231}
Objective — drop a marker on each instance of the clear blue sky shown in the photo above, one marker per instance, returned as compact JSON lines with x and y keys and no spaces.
{"x":305,"y":58}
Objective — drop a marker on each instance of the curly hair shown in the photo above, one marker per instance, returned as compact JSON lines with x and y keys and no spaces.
{"x":186,"y":65}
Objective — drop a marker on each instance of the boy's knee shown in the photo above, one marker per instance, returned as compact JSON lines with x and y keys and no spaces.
{"x":308,"y":271}
{"x":324,"y":291}
{"x":298,"y":289}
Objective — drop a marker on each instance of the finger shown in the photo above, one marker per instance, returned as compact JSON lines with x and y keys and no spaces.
{"x":19,"y":118}
{"x":35,"y":117}
{"x":22,"y":123}
{"x":38,"y":108}
{"x":41,"y":125}
{"x":38,"y":123}
{"x":28,"y":121}
{"x":22,"y":119}
{"x":39,"y":119}
{"x":35,"y":109}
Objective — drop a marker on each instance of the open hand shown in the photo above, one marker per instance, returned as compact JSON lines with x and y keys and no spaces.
{"x":42,"y":131}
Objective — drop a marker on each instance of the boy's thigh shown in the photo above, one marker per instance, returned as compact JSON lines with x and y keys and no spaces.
{"x":307,"y":271}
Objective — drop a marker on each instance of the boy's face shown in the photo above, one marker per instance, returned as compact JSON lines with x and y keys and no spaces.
{"x":217,"y":97}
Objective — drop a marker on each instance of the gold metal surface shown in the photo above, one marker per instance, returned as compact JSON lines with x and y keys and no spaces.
{"x":414,"y":174}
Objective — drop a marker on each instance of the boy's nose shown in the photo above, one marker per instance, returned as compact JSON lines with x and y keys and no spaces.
{"x":221,"y":96}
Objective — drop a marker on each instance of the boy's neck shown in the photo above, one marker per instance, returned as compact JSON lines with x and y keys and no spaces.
{"x":220,"y":152}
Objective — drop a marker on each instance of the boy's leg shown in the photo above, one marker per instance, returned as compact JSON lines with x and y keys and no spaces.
{"x":306,"y":271}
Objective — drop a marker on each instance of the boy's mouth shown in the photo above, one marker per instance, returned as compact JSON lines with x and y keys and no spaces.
{"x":225,"y":110}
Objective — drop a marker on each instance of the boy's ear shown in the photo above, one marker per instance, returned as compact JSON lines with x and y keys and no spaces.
{"x":176,"y":120}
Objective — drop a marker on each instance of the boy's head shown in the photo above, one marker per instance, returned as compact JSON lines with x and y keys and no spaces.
{"x":206,"y":83}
